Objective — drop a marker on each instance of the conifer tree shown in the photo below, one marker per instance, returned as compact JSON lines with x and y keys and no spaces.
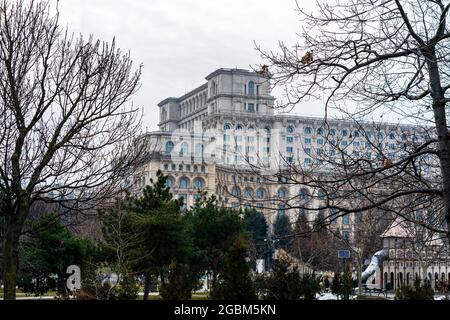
{"x":235,"y":282}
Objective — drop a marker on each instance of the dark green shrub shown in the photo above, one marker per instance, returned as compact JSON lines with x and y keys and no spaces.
{"x":420,"y":291}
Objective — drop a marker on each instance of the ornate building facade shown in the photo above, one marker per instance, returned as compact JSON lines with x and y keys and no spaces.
{"x":409,"y":252}
{"x":225,"y":138}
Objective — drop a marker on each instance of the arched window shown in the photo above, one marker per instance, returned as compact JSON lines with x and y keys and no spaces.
{"x":308,"y":130}
{"x":213,"y":90}
{"x":248,"y":193}
{"x":198,"y":183}
{"x":235,"y":192}
{"x":169,"y":146}
{"x":320,"y":131}
{"x":290,"y":129}
{"x":183,"y":183}
{"x":227,"y":126}
{"x":281,"y":193}
{"x":260,"y":194}
{"x":199,"y":149}
{"x":303,"y":194}
{"x":344,"y":133}
{"x":332,"y":132}
{"x":281,"y":210}
{"x":169,"y":182}
{"x":239,"y":127}
{"x":251,"y":88}
{"x":184,"y":150}
{"x":320,"y":194}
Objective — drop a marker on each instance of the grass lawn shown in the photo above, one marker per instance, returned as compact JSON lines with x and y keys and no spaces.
{"x":370,"y":298}
{"x":21,"y":294}
{"x":195,"y":296}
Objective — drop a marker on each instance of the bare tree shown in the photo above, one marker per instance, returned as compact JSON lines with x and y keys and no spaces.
{"x":65,"y":129}
{"x":367,"y":59}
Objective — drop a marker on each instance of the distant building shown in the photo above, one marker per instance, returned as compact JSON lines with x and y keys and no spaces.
{"x":409,"y":253}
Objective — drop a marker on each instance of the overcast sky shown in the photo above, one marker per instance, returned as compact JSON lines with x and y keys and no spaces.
{"x":181,"y":41}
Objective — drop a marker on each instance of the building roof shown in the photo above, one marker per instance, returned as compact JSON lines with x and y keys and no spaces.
{"x":235,"y":71}
{"x":397,"y":229}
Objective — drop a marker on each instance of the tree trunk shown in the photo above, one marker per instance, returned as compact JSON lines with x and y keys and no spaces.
{"x":10,"y":260}
{"x":147,"y":282}
{"x":15,"y":220}
{"x":359,"y":276}
{"x":442,"y":133}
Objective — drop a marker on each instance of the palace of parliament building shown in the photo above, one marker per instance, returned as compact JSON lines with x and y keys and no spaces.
{"x":226,"y":139}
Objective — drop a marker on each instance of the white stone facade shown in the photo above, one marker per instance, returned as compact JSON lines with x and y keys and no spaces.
{"x":214,"y":137}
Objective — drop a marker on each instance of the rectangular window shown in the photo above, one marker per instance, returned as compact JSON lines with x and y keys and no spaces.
{"x":307,"y":140}
{"x":180,"y":167}
{"x":308,"y":161}
{"x":356,"y":144}
{"x":166,"y":167}
{"x":308,"y":151}
{"x":250,"y":107}
{"x":251,"y":139}
{"x":320,"y":141}
{"x":357,"y":217}
{"x":290,"y":159}
{"x":344,"y":143}
{"x":290,"y":149}
{"x":188,"y":167}
{"x":346,"y":235}
{"x":346,"y":219}
{"x":174,"y":167}
{"x":290,"y":139}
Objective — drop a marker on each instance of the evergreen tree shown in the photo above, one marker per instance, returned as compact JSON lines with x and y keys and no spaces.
{"x":164,"y":234}
{"x":235,"y":282}
{"x":179,"y":283}
{"x":286,"y":283}
{"x":255,"y":227}
{"x":342,"y":283}
{"x":310,"y":286}
{"x":420,"y":291}
{"x":336,"y":285}
{"x":283,"y":283}
{"x":213,"y":230}
{"x":49,"y":252}
{"x":282,"y":232}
